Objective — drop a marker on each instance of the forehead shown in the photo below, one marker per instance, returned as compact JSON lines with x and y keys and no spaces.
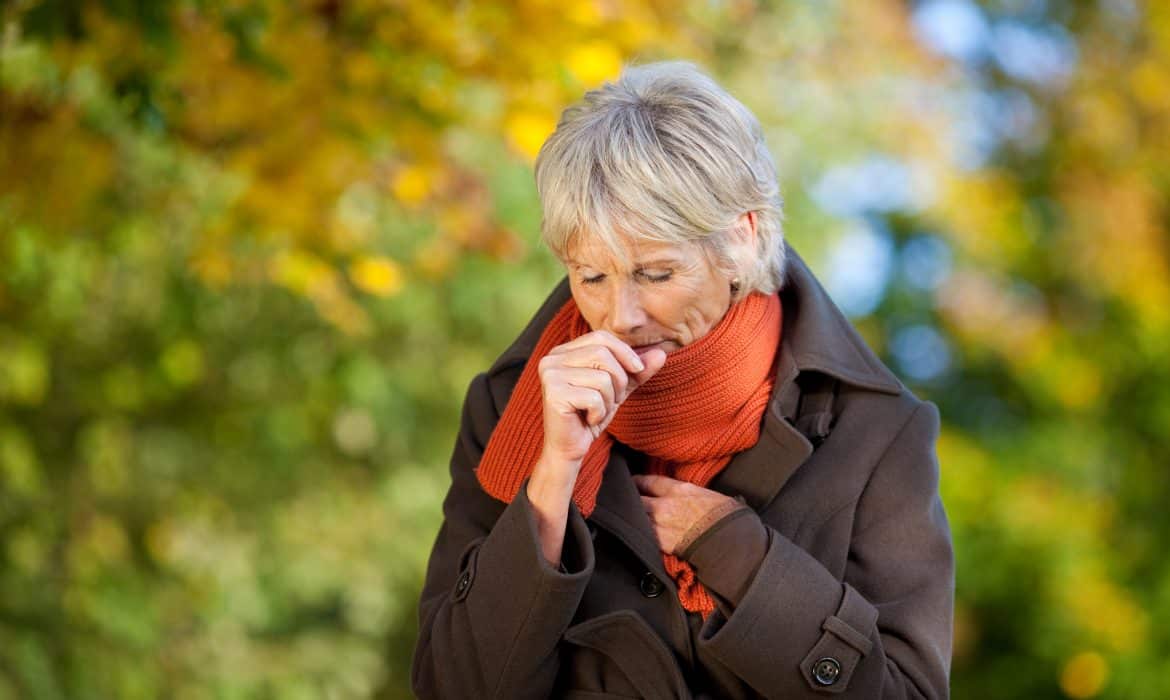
{"x":589,"y":251}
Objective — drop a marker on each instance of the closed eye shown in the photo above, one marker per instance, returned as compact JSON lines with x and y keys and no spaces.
{"x":592,"y":280}
{"x":655,"y":275}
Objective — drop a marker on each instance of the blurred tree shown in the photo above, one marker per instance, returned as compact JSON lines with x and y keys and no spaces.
{"x":251,"y":253}
{"x":248,"y":255}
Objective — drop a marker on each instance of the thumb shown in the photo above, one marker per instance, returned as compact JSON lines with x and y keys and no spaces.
{"x":654,"y":484}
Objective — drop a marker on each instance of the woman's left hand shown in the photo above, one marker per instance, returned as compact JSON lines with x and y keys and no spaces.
{"x":674,"y":506}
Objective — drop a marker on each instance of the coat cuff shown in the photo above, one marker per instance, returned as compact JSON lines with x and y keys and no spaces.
{"x":829,"y":627}
{"x":727,"y":556}
{"x":516,"y":600}
{"x":515,"y":543}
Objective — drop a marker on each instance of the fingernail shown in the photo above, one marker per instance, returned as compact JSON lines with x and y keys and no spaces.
{"x":641,"y":365}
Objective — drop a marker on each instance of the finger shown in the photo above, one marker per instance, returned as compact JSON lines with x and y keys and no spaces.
{"x":655,"y":485}
{"x":648,"y":506}
{"x":624,"y":354}
{"x":585,"y":401}
{"x":598,"y":380}
{"x":610,"y":380}
{"x":598,"y":357}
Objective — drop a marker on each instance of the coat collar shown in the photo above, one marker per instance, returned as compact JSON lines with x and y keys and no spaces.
{"x":821,"y":339}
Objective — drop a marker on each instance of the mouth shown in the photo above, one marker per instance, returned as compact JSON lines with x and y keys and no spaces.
{"x":643,"y":349}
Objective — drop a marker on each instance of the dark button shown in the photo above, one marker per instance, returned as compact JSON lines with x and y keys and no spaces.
{"x":826,"y":671}
{"x":463,"y":584}
{"x":650,"y":585}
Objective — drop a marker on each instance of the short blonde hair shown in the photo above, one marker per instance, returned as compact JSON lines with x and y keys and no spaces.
{"x":663,"y":154}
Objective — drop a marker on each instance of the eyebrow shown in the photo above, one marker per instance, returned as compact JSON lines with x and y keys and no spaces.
{"x":637,"y":265}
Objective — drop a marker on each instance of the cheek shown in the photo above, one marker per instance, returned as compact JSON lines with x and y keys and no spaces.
{"x":591,"y":310}
{"x":685,"y":307}
{"x":704,"y":310}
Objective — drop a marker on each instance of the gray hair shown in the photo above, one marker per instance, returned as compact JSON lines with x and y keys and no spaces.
{"x":663,"y":154}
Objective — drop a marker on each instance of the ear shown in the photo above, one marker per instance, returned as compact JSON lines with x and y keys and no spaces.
{"x":745,"y":229}
{"x":743,"y":236}
{"x":743,"y":246}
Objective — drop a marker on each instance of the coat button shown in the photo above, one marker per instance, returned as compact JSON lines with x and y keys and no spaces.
{"x":826,"y":671}
{"x":463,"y":584}
{"x":650,"y":585}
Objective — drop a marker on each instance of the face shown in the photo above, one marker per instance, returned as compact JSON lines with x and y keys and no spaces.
{"x":667,"y":295}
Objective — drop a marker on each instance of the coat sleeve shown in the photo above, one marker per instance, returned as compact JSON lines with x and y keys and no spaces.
{"x":492,"y":610}
{"x":882,"y":632}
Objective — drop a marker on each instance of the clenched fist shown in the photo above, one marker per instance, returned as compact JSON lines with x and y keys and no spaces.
{"x":583,"y":383}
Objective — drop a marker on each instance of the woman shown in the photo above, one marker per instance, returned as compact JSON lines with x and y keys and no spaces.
{"x":688,"y":477}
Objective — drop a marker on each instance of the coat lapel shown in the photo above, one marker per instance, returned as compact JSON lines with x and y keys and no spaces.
{"x":821,"y":339}
{"x":619,"y":510}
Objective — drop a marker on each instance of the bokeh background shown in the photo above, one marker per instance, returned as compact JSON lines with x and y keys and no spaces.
{"x":252,"y":252}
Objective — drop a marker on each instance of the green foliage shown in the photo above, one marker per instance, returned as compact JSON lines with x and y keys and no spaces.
{"x":252,"y":253}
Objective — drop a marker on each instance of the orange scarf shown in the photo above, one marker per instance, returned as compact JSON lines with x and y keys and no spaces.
{"x":704,"y":405}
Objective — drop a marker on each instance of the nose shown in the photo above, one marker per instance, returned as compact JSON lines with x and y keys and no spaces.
{"x":626,"y":314}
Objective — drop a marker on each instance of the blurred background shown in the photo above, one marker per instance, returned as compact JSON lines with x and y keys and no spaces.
{"x":253,"y":251}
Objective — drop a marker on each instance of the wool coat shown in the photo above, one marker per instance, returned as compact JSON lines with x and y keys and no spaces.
{"x":852,"y":597}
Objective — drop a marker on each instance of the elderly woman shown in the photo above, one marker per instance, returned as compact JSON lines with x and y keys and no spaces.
{"x":688,"y":477}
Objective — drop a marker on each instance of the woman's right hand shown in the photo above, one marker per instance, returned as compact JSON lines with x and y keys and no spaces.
{"x":583,"y":383}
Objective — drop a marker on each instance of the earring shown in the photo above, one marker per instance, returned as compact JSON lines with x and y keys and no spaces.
{"x":735,"y":286}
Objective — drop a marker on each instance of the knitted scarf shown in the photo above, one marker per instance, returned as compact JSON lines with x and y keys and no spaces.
{"x":700,"y":409}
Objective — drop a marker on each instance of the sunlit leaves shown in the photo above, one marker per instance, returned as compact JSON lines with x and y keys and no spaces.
{"x":252,"y":252}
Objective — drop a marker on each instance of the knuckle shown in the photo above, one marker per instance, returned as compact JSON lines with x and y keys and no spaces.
{"x":599,"y":354}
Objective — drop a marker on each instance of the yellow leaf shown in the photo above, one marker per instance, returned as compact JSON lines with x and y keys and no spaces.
{"x":379,"y":276}
{"x":301,"y":272}
{"x":212,"y":267}
{"x":528,"y":129}
{"x":1105,"y":610}
{"x":1084,"y":675}
{"x":411,"y":185}
{"x":594,"y":61}
{"x":1151,"y":84}
{"x":583,"y":12}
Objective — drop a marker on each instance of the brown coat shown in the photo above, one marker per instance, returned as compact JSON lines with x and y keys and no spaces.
{"x":853,"y":596}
